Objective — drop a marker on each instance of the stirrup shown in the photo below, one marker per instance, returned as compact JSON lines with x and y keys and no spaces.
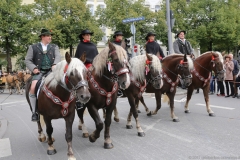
{"x":35,"y":117}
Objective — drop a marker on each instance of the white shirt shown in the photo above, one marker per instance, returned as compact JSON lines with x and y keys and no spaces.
{"x":44,"y":47}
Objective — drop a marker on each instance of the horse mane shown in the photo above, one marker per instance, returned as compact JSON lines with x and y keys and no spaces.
{"x":100,"y":60}
{"x":138,"y":65}
{"x":219,"y":55}
{"x":57,"y":74}
{"x":190,"y":61}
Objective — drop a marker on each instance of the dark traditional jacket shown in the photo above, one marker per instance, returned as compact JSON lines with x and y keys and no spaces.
{"x":89,"y":48}
{"x":153,"y":47}
{"x":35,"y":55}
{"x":181,"y":48}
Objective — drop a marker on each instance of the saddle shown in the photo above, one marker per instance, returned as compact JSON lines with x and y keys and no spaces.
{"x":40,"y":83}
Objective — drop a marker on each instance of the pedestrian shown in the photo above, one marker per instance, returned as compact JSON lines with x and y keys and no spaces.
{"x":212,"y":83}
{"x":181,"y":45}
{"x":152,"y":46}
{"x":228,"y":66}
{"x":40,"y":59}
{"x":86,"y":46}
{"x":235,"y":73}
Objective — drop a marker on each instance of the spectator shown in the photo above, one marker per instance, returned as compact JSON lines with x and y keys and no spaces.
{"x":212,"y":84}
{"x":234,"y":72}
{"x":229,"y":66}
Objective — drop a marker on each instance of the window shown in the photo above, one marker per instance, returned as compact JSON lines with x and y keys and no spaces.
{"x":91,"y":9}
{"x":104,"y":38}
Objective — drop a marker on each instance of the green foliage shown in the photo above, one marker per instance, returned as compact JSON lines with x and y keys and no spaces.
{"x":117,"y":10}
{"x":20,"y":64}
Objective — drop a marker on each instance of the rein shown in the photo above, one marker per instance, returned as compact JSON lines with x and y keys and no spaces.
{"x":141,"y":87}
{"x":169,"y":80}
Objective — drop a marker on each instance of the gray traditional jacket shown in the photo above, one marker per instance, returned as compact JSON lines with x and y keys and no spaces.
{"x":181,"y":48}
{"x":35,"y":53}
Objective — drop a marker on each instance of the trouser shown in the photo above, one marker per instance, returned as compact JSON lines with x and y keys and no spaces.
{"x":227,"y":84}
{"x":235,"y":85}
{"x":220,"y":87}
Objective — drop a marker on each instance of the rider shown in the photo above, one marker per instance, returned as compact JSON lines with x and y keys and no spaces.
{"x":152,"y":46}
{"x":40,"y":59}
{"x":89,"y":48}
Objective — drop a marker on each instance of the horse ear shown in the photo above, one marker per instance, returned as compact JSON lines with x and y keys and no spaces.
{"x":149,"y":57}
{"x":68,"y":57}
{"x":111,"y":46}
{"x":83,"y":57}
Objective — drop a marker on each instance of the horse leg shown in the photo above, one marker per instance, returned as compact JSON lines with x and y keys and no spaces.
{"x":81,"y":125}
{"x":129,"y":123}
{"x":108,"y":142}
{"x":206,"y":97}
{"x":143,"y":103}
{"x":49,"y":129}
{"x":134,"y":111}
{"x":41,"y":136}
{"x":68,"y":135}
{"x":104,"y":113}
{"x":98,"y":122}
{"x":137,"y":106}
{"x":189,"y":95}
{"x":116,"y":117}
{"x":158,"y":96}
{"x":171,"y":98}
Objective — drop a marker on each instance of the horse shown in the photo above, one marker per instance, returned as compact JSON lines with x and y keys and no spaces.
{"x":174,"y":66}
{"x":203,"y":66}
{"x":107,"y":73}
{"x":57,"y":97}
{"x":13,"y":81}
{"x":145,"y":70}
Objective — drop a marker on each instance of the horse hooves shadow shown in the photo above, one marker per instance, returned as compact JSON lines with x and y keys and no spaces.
{"x":85,"y":135}
{"x":91,"y":139}
{"x":212,"y":115}
{"x":149,"y":114}
{"x":51,"y":152}
{"x":187,"y":111}
{"x":141,"y":134}
{"x":108,"y":145}
{"x":129,"y":126}
{"x":176,"y":120}
{"x":116,"y":119}
{"x":139,"y":111}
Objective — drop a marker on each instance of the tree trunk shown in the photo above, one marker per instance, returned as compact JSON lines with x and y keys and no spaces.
{"x":9,"y":61}
{"x":210,"y":47}
{"x":71,"y":50}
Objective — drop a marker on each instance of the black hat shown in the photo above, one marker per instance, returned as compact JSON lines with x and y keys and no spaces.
{"x":45,"y":32}
{"x":86,"y":31}
{"x":117,"y":33}
{"x":180,"y":32}
{"x":150,"y":34}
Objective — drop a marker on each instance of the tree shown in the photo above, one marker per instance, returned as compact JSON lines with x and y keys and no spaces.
{"x":14,"y":35}
{"x":117,"y":10}
{"x":66,"y":20}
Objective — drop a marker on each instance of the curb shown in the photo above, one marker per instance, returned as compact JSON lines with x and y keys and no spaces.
{"x":3,"y":126}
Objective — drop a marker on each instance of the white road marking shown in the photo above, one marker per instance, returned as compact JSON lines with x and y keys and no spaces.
{"x":5,"y":148}
{"x":221,"y":107}
{"x":11,"y":106}
{"x":13,"y":102}
{"x":122,"y":101}
{"x":180,"y":100}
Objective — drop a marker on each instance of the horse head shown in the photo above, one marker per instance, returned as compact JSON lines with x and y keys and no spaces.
{"x":183,"y":68}
{"x":116,"y":64}
{"x":153,"y":68}
{"x":75,"y":78}
{"x":217,"y":65}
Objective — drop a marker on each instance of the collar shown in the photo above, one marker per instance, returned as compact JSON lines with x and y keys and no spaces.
{"x":182,"y":40}
{"x":150,"y":41}
{"x":43,"y":45}
{"x":86,"y":41}
{"x":117,"y":40}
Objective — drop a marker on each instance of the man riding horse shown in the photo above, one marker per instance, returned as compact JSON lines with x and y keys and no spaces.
{"x":40,"y":59}
{"x":87,"y":47}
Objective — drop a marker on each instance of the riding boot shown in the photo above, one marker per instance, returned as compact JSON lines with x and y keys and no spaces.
{"x":79,"y":105}
{"x":35,"y":116}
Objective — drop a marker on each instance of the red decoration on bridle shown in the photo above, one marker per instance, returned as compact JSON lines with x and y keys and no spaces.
{"x":213,"y":58}
{"x":148,"y":62}
{"x":65,"y":70}
{"x":181,"y":62}
{"x":147,"y":66}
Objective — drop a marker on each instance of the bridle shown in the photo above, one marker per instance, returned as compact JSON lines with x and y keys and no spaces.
{"x":180,"y":67}
{"x":116,"y":75}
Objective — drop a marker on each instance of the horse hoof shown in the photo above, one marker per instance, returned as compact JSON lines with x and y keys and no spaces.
{"x":79,"y":127}
{"x":212,"y":115}
{"x":42,"y":139}
{"x":187,"y":111}
{"x":51,"y":152}
{"x":108,"y":145}
{"x":85,"y":135}
{"x":139,"y":111}
{"x":116,"y":119}
{"x":141,"y":134}
{"x":91,"y":139}
{"x":149,"y":114}
{"x":175,"y":120}
{"x":129,"y":126}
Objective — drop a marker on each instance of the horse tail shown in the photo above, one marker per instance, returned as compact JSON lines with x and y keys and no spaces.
{"x":42,"y":122}
{"x":165,"y":99}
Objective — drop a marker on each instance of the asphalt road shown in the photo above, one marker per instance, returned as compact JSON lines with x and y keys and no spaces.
{"x":196,"y":136}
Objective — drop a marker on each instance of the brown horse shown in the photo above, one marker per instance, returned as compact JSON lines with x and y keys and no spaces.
{"x":57,"y":97}
{"x":203,"y":66}
{"x":13,"y":81}
{"x":108,"y":72}
{"x":145,"y":70}
{"x":173,"y":66}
